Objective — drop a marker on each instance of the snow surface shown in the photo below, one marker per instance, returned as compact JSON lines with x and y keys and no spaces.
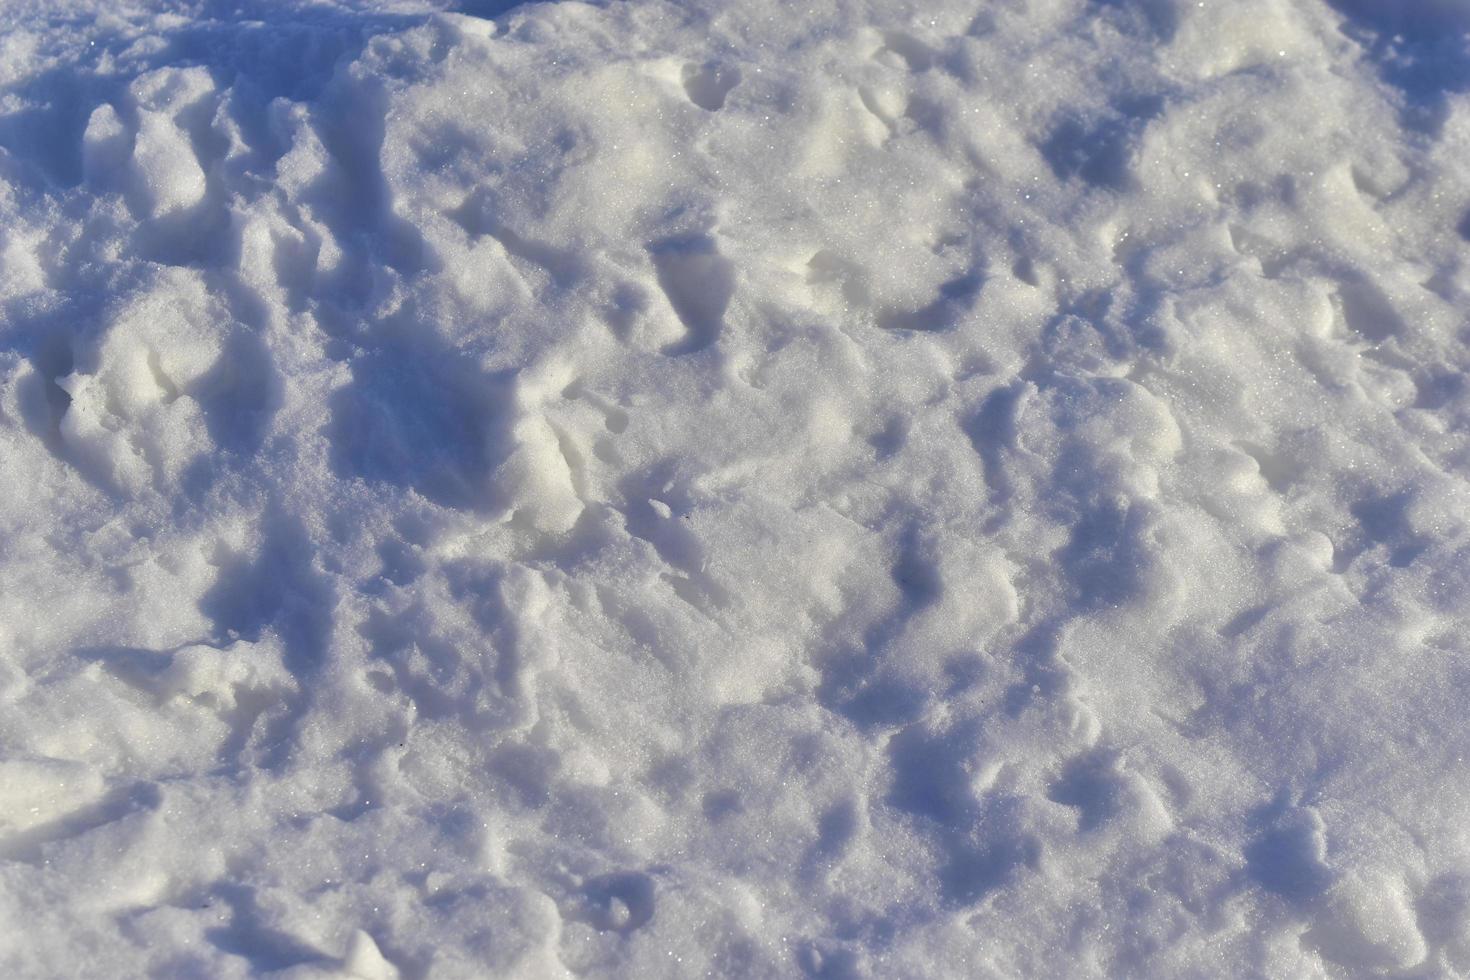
{"x":860,"y":488}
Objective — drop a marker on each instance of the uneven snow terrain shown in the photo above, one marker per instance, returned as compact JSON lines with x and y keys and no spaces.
{"x":743,"y":488}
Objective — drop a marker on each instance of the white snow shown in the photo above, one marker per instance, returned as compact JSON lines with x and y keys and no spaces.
{"x":867,"y":488}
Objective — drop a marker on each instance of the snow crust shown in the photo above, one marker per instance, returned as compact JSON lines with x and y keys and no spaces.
{"x":868,"y":488}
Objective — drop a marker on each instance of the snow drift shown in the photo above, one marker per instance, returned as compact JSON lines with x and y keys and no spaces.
{"x":882,"y":489}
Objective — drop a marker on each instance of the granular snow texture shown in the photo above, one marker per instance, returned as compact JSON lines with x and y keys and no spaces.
{"x":740,"y":488}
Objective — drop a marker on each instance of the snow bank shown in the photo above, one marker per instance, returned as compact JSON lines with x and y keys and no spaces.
{"x":662,"y":489}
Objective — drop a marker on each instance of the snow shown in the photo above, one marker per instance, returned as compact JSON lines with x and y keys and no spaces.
{"x":868,"y":488}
